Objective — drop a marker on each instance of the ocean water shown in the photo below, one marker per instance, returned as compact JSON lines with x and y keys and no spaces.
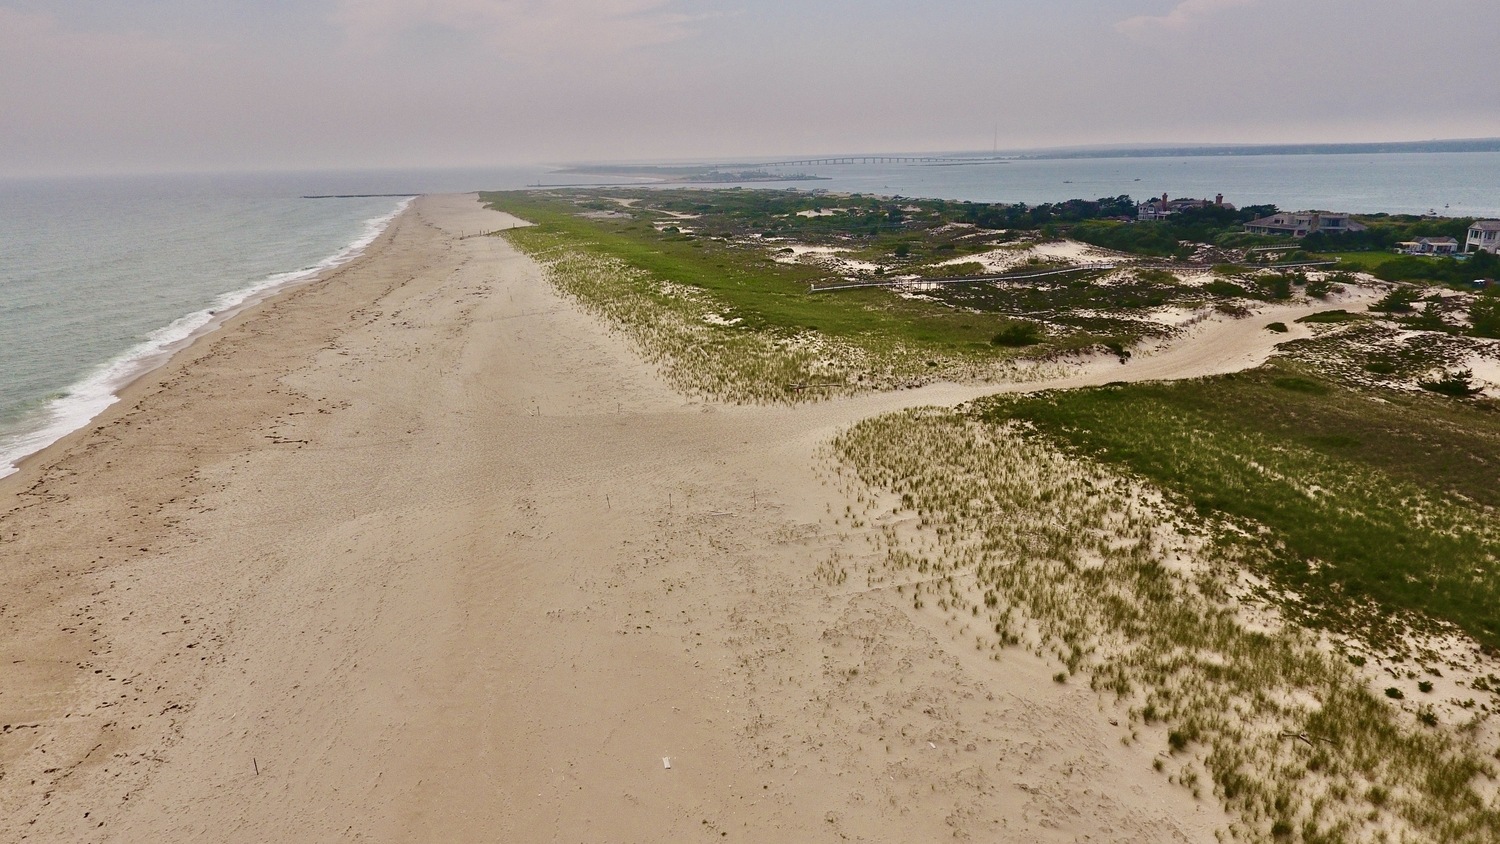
{"x":100,"y":279}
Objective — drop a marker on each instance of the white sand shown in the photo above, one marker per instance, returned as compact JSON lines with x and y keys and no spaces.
{"x":421,"y":552}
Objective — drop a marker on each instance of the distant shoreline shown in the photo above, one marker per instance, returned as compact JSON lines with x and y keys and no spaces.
{"x":1193,"y":151}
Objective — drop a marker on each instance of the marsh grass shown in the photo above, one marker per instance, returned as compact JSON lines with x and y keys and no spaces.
{"x":1134,"y":590}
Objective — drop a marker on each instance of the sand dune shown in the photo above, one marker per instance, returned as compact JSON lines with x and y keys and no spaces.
{"x":422,"y":553}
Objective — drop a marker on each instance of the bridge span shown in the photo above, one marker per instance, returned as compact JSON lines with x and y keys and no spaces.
{"x":873,"y":159}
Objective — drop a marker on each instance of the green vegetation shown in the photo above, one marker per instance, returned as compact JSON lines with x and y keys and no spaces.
{"x":1458,"y":383}
{"x":1368,"y":262}
{"x":1018,"y":334}
{"x":1459,"y":272}
{"x":1371,"y":251}
{"x":1021,"y":216}
{"x":1018,"y":542}
{"x":764,"y":294}
{"x":1377,"y":507}
{"x":1391,"y":266}
{"x":1337,"y":315}
{"x":1383,"y":353}
{"x":1164,"y":238}
{"x":1191,"y":548}
{"x":1398,"y":300}
{"x":1484,"y":314}
{"x":1383,"y":232}
{"x":727,"y":320}
{"x":724,"y":264}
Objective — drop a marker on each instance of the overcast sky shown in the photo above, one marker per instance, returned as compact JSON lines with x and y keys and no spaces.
{"x":108,"y":85}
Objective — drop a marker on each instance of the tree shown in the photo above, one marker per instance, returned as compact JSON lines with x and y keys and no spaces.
{"x":1458,"y":383}
{"x":1399,"y":300}
{"x":1484,"y":316}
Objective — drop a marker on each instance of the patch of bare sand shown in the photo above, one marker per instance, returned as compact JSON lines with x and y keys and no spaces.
{"x":421,"y":552}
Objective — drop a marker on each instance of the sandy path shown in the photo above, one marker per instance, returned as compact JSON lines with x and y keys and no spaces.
{"x":421,"y":553}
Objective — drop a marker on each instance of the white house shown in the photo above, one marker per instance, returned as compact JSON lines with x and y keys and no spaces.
{"x":1429,"y":246}
{"x":1484,"y":236}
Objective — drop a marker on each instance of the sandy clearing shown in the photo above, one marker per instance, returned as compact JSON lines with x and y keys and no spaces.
{"x":421,"y":552}
{"x":1006,"y":258}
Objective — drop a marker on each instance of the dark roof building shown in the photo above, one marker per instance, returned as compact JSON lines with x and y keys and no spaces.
{"x":1430,"y":246}
{"x":1159,"y":208}
{"x":1303,"y":223}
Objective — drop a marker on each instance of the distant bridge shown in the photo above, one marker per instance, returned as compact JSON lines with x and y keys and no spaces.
{"x":871,"y":159}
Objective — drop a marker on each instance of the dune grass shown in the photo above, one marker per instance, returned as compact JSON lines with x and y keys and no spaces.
{"x":1380,"y":508}
{"x":1023,"y":541}
{"x":767,"y":295}
{"x":719,"y":249}
{"x":730,"y":324}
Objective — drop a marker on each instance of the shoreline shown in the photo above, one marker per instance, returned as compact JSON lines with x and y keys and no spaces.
{"x":360,"y":563}
{"x":114,"y":377}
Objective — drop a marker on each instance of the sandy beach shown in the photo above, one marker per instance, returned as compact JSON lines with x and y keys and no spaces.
{"x":421,"y":552}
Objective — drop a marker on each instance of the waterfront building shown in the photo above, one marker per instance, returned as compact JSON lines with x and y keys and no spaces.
{"x":1303,"y":223}
{"x":1162,"y":207}
{"x":1484,"y":236}
{"x":1429,"y":246}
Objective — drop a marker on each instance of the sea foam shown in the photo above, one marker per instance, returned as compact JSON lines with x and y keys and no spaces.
{"x":89,"y":397}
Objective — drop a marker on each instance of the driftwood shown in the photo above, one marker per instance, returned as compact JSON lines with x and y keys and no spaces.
{"x":1307,"y":738}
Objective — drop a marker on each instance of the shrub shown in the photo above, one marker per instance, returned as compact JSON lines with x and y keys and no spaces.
{"x":1018,"y":334}
{"x":1399,"y":300}
{"x":1457,"y":383}
{"x":967,"y":268}
{"x":1484,"y":316}
{"x":1278,"y":327}
{"x":1178,"y":740}
{"x":1301,"y":385}
{"x":1224,"y":288}
{"x":1334,"y":316}
{"x":1154,"y":276}
{"x":1276,"y":287}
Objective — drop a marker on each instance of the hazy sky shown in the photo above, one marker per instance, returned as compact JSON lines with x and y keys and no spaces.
{"x":104,"y":85}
